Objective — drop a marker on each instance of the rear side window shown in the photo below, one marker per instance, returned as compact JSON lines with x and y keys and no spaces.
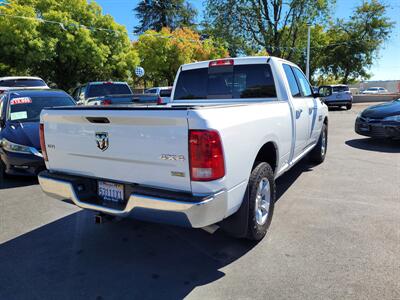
{"x":104,"y":89}
{"x":226,"y":82}
{"x":294,"y":88}
{"x":23,"y":83}
{"x":303,"y":83}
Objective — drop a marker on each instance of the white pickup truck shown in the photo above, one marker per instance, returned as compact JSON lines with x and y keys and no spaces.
{"x":209,"y":157}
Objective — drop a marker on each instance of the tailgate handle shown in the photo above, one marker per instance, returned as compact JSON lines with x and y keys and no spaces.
{"x":98,"y":120}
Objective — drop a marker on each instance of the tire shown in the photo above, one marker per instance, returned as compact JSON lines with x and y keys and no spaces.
{"x":2,"y":173}
{"x":349,"y":106}
{"x":317,"y":155}
{"x":261,"y":187}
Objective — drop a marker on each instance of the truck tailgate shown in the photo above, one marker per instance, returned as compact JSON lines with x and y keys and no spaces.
{"x":148,"y":147}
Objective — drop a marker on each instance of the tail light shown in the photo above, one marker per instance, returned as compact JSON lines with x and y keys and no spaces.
{"x":42,"y":142}
{"x":159,"y":100}
{"x":221,"y":62}
{"x":106,"y":102}
{"x":206,"y":155}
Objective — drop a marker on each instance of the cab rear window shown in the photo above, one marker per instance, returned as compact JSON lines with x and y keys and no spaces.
{"x":226,"y":82}
{"x":105,"y":89}
{"x":165,"y":93}
{"x":22,"y":83}
{"x":340,"y":89}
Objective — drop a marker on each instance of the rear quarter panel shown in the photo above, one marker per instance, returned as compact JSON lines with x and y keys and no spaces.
{"x":244,"y":129}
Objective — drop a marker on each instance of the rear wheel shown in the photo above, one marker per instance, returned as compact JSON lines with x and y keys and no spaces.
{"x":262,"y":195}
{"x":317,"y":155}
{"x":349,"y":106}
{"x":2,"y":173}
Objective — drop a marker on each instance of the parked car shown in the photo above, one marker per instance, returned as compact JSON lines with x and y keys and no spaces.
{"x":164,"y":94}
{"x":20,"y":151}
{"x":375,"y":90}
{"x":209,"y":157}
{"x":336,"y":95}
{"x":94,"y":90}
{"x":21,"y":82}
{"x":380,"y":121}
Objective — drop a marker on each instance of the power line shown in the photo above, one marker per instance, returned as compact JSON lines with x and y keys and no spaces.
{"x":62,"y":25}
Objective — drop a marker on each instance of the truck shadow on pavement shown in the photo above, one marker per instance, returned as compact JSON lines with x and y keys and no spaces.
{"x":73,"y":258}
{"x":284,"y":182}
{"x":377,"y":145}
{"x":16,"y":181}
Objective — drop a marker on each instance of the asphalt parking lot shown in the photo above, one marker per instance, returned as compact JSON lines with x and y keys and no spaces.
{"x":335,"y":235}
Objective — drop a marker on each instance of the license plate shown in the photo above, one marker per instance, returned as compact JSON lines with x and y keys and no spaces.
{"x":112,"y":192}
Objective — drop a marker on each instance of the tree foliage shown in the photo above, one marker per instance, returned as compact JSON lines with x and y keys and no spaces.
{"x":340,"y":49}
{"x":162,"y":53}
{"x":353,"y":45}
{"x":273,"y":25}
{"x":221,"y":21}
{"x":156,"y":15}
{"x":63,"y":54}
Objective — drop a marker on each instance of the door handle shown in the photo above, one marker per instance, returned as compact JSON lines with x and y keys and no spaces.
{"x":98,"y":120}
{"x":298,"y":113}
{"x":310,"y":110}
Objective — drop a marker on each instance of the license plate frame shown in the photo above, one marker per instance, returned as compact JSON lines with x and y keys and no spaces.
{"x":110,"y":192}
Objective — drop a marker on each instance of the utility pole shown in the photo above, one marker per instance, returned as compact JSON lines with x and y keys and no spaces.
{"x":308,"y":51}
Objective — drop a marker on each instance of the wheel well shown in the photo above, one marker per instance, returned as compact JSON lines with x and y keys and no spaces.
{"x":326,"y":121}
{"x":267,"y":153}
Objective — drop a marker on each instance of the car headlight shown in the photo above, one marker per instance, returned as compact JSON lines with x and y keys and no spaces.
{"x":16,"y":148}
{"x":393,"y":118}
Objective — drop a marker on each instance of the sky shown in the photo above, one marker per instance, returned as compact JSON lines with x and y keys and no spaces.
{"x":386,"y":67}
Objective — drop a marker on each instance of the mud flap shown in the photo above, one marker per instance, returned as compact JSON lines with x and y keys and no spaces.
{"x":237,"y":224}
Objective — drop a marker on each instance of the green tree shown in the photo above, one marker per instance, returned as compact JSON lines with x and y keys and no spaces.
{"x":77,"y":43}
{"x":162,"y":52}
{"x":265,"y":24}
{"x":162,"y":13}
{"x":341,"y":50}
{"x":221,"y":22}
{"x":354,"y":44}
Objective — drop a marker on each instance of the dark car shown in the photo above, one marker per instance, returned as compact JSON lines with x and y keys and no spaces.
{"x":336,"y":95}
{"x":20,"y":151}
{"x":380,"y":121}
{"x":99,"y":90}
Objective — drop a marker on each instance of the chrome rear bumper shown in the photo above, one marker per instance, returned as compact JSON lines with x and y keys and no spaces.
{"x":210,"y":210}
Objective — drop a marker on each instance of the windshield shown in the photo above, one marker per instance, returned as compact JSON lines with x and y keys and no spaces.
{"x":28,"y":109}
{"x":22,"y":83}
{"x":104,"y":89}
{"x":226,"y":82}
